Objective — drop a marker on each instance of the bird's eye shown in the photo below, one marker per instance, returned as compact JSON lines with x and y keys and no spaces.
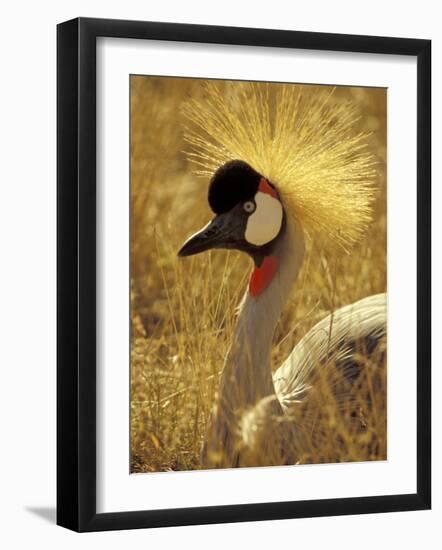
{"x":249,"y":207}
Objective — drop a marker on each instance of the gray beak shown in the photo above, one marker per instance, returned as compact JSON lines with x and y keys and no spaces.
{"x":224,"y":231}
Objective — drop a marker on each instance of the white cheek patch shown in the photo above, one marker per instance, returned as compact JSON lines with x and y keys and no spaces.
{"x":265,"y":223}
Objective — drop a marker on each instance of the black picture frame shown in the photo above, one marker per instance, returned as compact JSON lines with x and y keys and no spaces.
{"x":76,"y":273}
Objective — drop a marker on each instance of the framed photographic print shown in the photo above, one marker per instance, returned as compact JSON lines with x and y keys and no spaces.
{"x":243,"y":274}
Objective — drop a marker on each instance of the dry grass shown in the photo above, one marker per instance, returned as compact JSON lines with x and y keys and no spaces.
{"x":183,"y":310}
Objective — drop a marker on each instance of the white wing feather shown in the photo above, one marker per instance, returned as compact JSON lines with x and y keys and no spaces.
{"x":366,"y":318}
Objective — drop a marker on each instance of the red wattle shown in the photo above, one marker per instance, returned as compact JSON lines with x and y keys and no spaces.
{"x":265,"y":187}
{"x":262,"y":276}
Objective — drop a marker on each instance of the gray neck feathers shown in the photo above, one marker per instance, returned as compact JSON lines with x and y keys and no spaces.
{"x":247,"y":376}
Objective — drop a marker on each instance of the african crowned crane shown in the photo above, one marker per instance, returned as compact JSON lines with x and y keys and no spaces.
{"x":275,"y":178}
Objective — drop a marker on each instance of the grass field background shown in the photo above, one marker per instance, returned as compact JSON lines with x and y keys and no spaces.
{"x":183,"y":310}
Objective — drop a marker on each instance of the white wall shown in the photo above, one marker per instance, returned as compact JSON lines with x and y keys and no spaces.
{"x":27,"y":272}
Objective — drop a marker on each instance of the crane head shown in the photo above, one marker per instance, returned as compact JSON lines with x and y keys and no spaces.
{"x":249,"y":215}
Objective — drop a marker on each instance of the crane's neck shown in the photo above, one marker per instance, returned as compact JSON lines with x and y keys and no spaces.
{"x":247,"y":376}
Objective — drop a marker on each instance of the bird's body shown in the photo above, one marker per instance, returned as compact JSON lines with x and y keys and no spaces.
{"x":359,"y":328}
{"x":297,"y":176}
